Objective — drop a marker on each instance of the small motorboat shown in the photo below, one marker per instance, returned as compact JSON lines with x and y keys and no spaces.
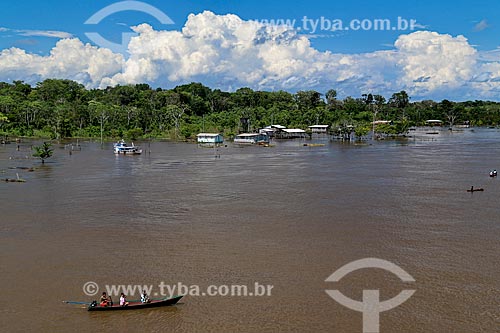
{"x":94,"y":306}
{"x":122,"y":148}
{"x":493,"y":173}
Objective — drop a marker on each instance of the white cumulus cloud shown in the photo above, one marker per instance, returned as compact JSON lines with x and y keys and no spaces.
{"x":69,"y":59}
{"x":224,"y":51}
{"x":431,"y":61}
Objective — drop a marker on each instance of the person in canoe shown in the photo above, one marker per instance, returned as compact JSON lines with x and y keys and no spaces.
{"x":123,"y":300}
{"x":106,"y":300}
{"x":145,"y":298}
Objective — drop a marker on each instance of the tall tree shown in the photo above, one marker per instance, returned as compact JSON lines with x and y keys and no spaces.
{"x":307,"y":100}
{"x":331,"y":97}
{"x":101,"y":112}
{"x":450,"y":111}
{"x":368,"y":99}
{"x":400,"y":99}
{"x":176,"y":112}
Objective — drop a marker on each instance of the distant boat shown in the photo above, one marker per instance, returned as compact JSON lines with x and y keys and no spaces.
{"x":121,"y":147}
{"x":251,"y":139}
{"x":94,"y":306}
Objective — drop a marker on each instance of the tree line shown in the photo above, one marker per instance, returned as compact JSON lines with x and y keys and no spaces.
{"x":58,"y":109}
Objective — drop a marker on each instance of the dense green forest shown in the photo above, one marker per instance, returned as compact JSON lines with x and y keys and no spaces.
{"x":63,"y":108}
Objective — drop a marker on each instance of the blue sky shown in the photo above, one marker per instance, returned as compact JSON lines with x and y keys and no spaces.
{"x":35,"y":27}
{"x":457,"y":18}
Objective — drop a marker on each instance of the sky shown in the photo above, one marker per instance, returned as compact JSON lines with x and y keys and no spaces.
{"x":432,"y":50}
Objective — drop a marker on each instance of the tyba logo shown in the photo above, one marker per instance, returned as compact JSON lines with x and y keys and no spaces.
{"x":371,"y":306}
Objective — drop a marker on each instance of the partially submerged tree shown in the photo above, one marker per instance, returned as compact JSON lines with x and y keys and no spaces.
{"x":451,"y":111}
{"x":43,"y":152}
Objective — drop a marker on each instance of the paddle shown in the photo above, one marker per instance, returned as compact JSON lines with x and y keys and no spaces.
{"x":73,"y":302}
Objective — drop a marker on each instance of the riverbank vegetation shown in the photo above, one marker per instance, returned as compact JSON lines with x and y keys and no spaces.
{"x":62,"y":108}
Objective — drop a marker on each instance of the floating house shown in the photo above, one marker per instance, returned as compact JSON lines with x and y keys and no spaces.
{"x":433,"y":122}
{"x":319,"y":129}
{"x":272,"y":130}
{"x":281,"y":132}
{"x":210,"y":139}
{"x":382,"y":122}
{"x":291,"y":133}
{"x":251,"y":138}
{"x":465,"y":124}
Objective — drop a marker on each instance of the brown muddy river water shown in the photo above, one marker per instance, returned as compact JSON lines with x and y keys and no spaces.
{"x":286,"y":216}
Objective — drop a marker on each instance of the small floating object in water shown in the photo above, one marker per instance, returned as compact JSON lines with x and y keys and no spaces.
{"x":23,"y":168}
{"x":314,"y":144}
{"x":472,"y":189}
{"x":18,"y":180}
{"x":493,"y":173}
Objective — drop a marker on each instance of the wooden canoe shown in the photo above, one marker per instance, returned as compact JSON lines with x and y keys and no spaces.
{"x":136,"y":305}
{"x":476,"y":190}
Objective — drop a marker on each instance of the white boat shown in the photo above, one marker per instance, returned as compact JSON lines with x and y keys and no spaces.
{"x":121,"y":147}
{"x":252,"y":138}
